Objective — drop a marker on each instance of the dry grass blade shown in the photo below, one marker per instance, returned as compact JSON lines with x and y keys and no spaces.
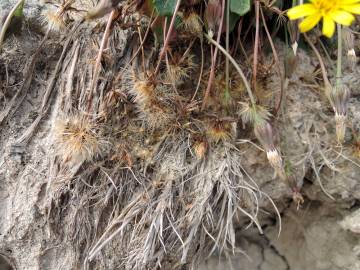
{"x":49,"y":90}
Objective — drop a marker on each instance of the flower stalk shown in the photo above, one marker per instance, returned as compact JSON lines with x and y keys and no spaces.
{"x":339,"y":56}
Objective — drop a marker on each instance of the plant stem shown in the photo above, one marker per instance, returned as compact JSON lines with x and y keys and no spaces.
{"x":322,"y":65}
{"x":166,"y":41}
{"x":97,"y":66}
{"x":213,"y":63}
{"x":277,"y":61}
{"x":232,"y":60}
{"x":227,"y":77}
{"x":339,"y":56}
{"x":256,"y":45}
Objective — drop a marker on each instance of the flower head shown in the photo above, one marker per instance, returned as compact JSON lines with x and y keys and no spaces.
{"x":330,"y":11}
{"x":339,"y":98}
{"x":77,"y":138}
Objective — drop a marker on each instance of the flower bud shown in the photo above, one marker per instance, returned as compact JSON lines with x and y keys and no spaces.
{"x":339,"y":98}
{"x":213,"y":15}
{"x":264,"y":133}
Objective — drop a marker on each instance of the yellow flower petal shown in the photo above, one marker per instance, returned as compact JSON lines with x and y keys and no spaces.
{"x":342,"y":17}
{"x":347,"y":2}
{"x":328,"y":26}
{"x":309,"y":22}
{"x":301,"y":11}
{"x":355,"y":9}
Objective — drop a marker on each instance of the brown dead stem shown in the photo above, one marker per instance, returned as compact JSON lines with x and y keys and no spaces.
{"x":104,"y":41}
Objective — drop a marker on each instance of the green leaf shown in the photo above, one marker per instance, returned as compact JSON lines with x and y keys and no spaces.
{"x":165,"y":7}
{"x":240,"y":7}
{"x":19,"y":12}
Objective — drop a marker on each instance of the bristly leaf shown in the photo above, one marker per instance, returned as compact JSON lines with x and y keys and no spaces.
{"x":240,"y":7}
{"x":165,"y":7}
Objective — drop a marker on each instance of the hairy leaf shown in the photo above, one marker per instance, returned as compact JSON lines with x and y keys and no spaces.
{"x":240,"y":7}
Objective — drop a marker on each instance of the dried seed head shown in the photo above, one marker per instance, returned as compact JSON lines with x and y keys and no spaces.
{"x":254,"y":114}
{"x":53,"y":21}
{"x":77,"y":138}
{"x":192,"y":24}
{"x":180,"y":68}
{"x":219,"y":131}
{"x":149,"y":103}
{"x":143,"y":91}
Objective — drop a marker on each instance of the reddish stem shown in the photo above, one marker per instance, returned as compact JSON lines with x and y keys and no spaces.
{"x":213,"y":63}
{"x":166,"y":42}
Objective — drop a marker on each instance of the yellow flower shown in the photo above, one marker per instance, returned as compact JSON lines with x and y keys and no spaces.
{"x":331,"y":11}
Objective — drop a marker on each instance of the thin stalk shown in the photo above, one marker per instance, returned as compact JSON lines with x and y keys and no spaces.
{"x":103,"y":44}
{"x":256,"y":45}
{"x":232,"y":60}
{"x":277,"y":61}
{"x":166,"y":41}
{"x":339,"y":55}
{"x":142,"y":50}
{"x":322,"y":65}
{"x":213,"y":63}
{"x":227,"y":76}
{"x":142,"y":42}
{"x":201,"y":69}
